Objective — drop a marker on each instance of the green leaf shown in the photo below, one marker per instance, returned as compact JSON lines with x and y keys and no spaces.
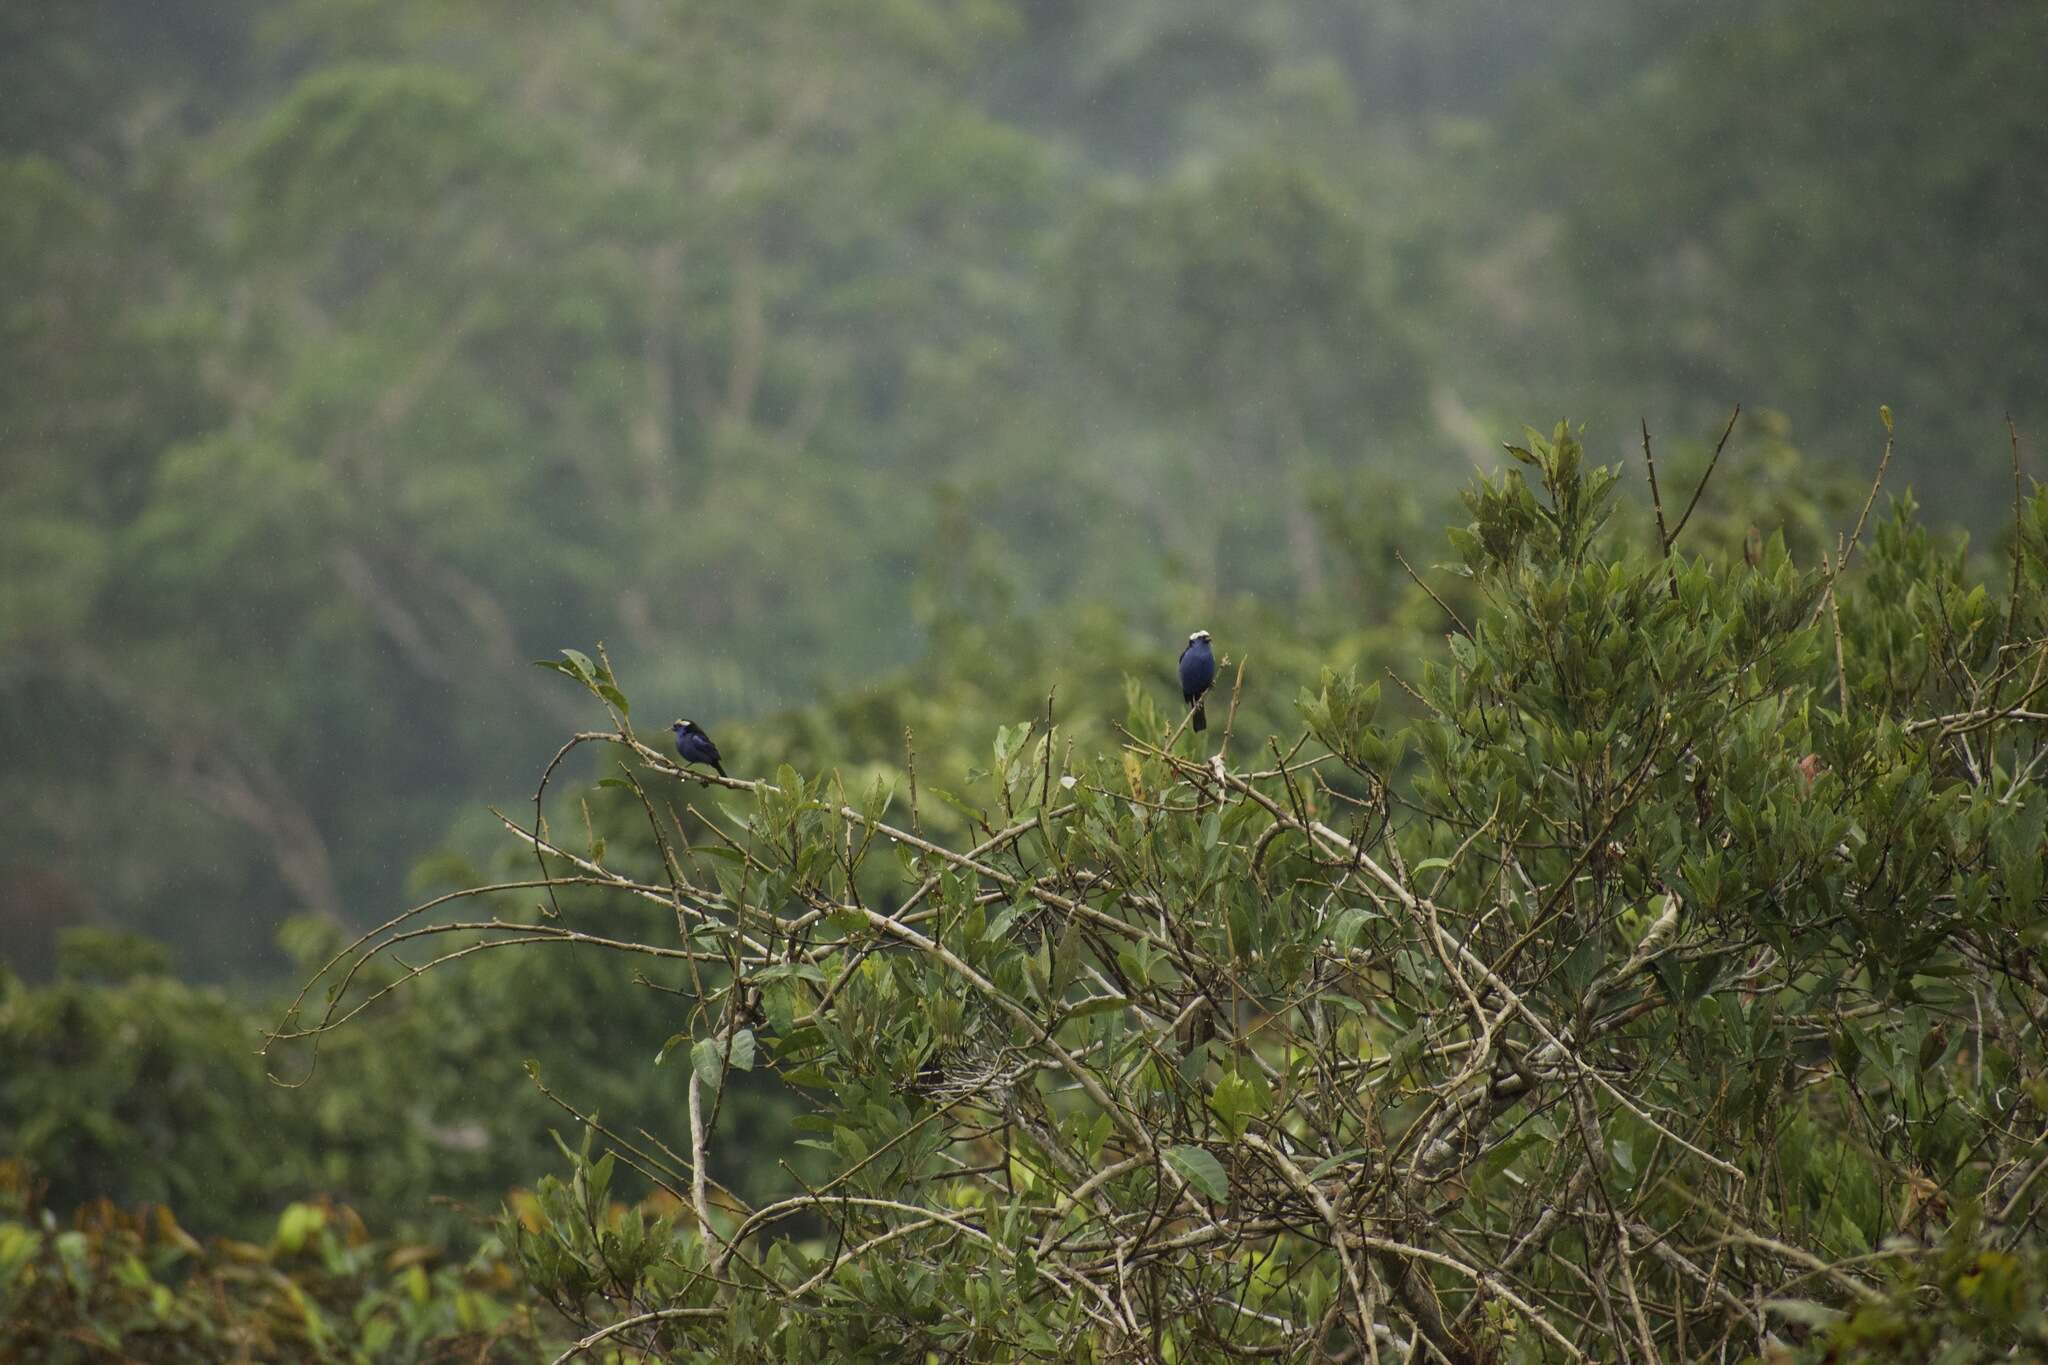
{"x":1000,"y":925}
{"x":1328,"y":1164}
{"x":706,"y":1061}
{"x":875,"y":804}
{"x":784,"y":970}
{"x":1346,"y":924}
{"x":1233,"y":1100}
{"x":710,"y":1056}
{"x":1805,"y":1312}
{"x":580,"y":662}
{"x":298,"y":1222}
{"x":973,"y":813}
{"x":1931,"y":1049}
{"x":1201,"y":1169}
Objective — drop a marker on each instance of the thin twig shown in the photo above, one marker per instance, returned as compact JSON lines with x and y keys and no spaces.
{"x":697,"y":1197}
{"x":1657,"y":501}
{"x":1835,"y":611}
{"x":1883,"y":462}
{"x":1686,"y":516}
{"x":2012,"y":606}
{"x":1463,"y":629}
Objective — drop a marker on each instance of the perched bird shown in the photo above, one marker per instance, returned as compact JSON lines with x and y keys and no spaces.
{"x":695,"y":746}
{"x":1197,"y":671}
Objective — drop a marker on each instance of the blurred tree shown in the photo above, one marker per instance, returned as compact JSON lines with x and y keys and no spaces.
{"x":133,"y":1285}
{"x":1776,"y":210}
{"x":472,"y":355}
{"x":1247,"y":310}
{"x":126,"y":1083}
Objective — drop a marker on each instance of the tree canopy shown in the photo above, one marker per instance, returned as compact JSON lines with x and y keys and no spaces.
{"x":1661,"y":983}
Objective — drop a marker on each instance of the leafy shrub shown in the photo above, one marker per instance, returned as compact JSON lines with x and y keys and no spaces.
{"x":132,"y":1285}
{"x":1670,"y":974}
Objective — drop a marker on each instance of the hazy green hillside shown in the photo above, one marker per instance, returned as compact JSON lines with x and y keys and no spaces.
{"x":358,"y":356}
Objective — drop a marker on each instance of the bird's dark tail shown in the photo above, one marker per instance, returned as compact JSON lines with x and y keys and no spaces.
{"x":1201,"y":718}
{"x":721,"y":768}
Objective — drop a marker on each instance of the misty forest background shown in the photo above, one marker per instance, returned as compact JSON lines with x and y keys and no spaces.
{"x":848,"y":369}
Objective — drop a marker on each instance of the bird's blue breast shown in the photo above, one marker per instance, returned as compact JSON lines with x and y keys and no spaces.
{"x":1197,"y":667}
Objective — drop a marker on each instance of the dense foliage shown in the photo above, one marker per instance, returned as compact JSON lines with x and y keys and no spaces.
{"x":132,"y":1285}
{"x":127,"y":1084}
{"x":1665,"y":984}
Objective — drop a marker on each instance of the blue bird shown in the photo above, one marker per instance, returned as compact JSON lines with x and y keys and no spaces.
{"x":1197,"y":671}
{"x":695,"y":746}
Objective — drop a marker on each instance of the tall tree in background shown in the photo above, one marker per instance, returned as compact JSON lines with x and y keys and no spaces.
{"x":1248,"y":310}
